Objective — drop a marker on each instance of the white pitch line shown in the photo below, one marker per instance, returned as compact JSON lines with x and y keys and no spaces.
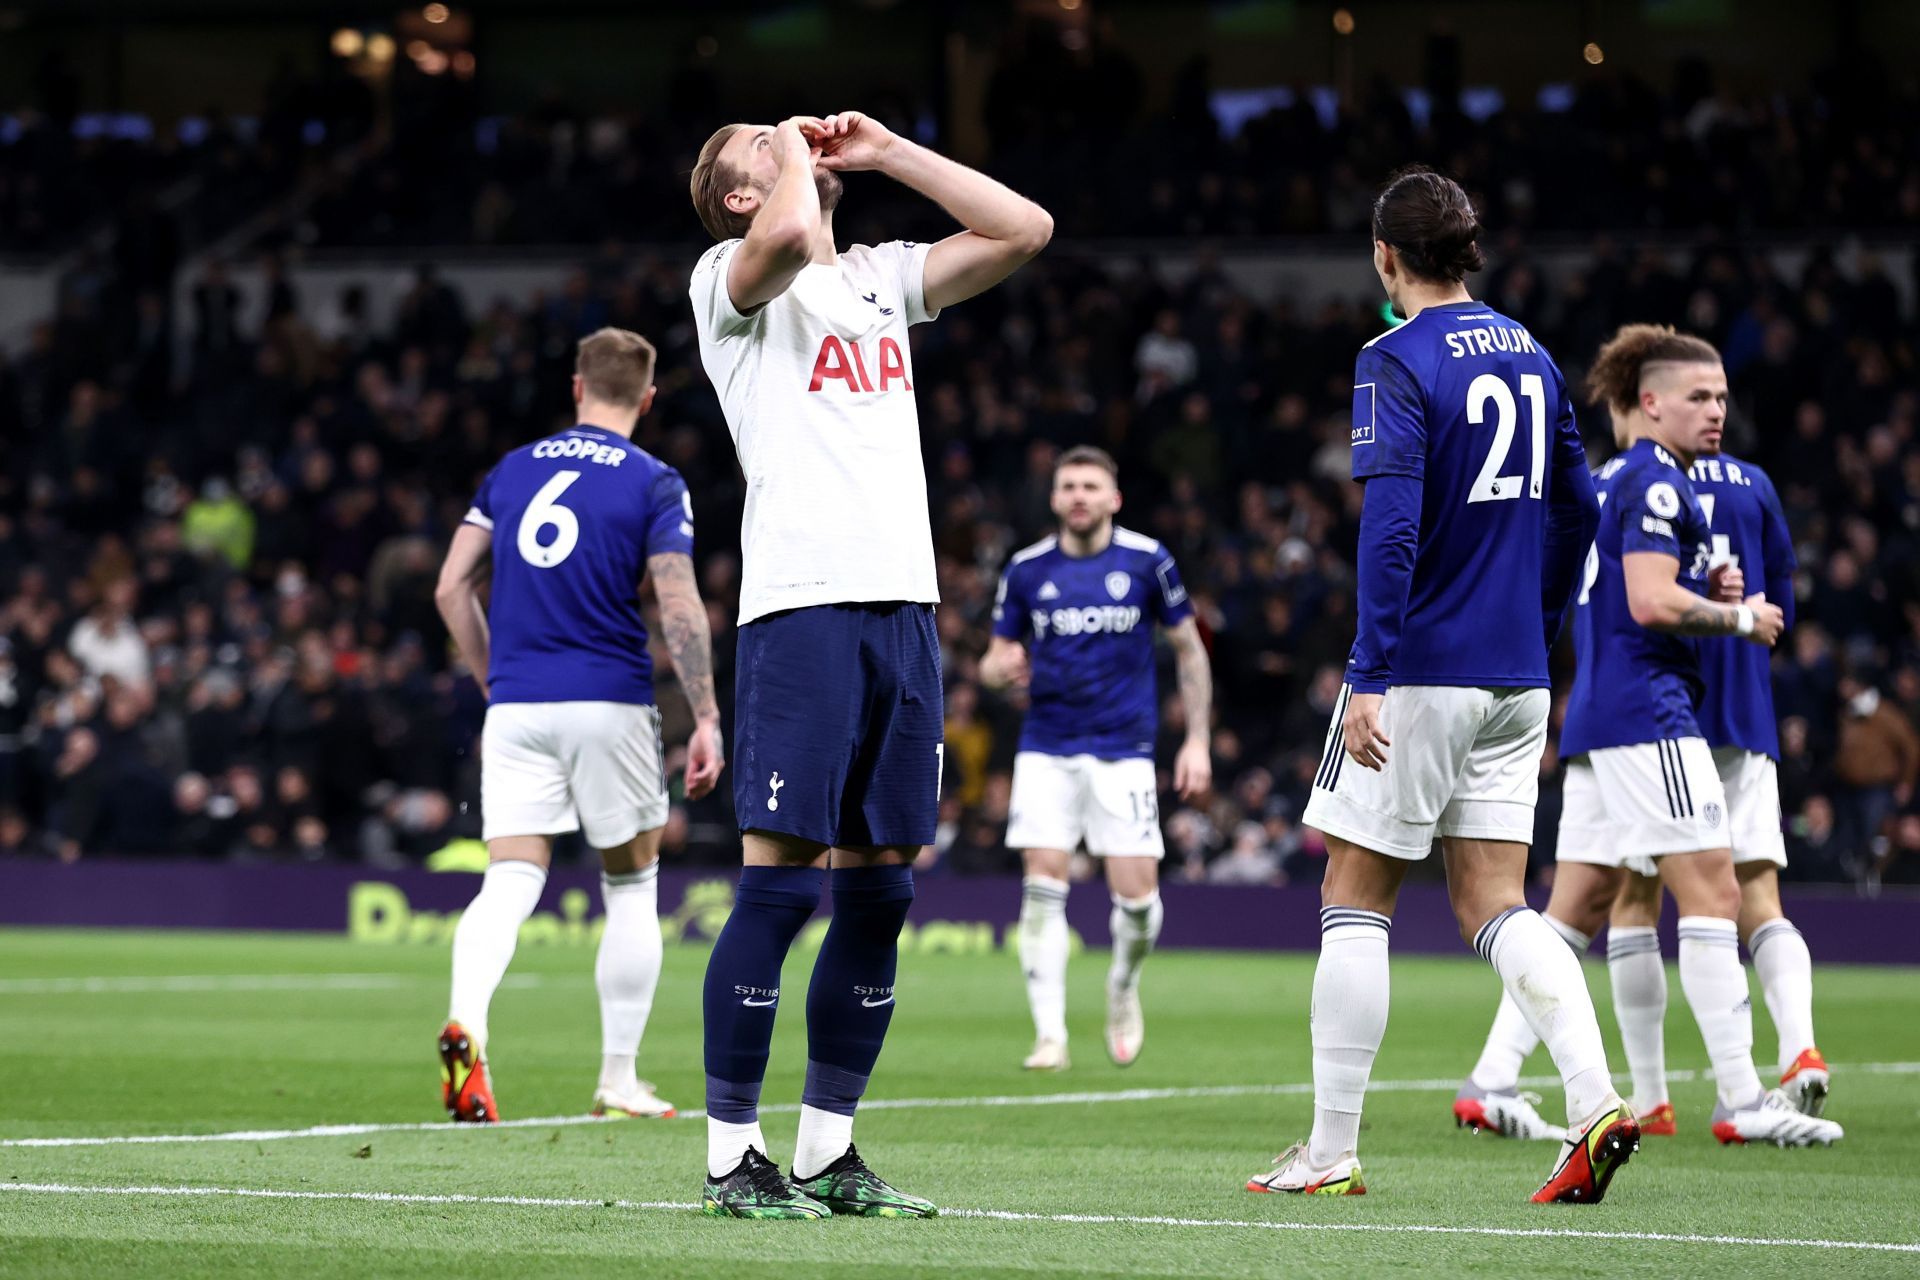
{"x":996,"y":1215}
{"x":190,"y":983}
{"x":195,"y":983}
{"x":316,"y":1131}
{"x":1292,"y":1089}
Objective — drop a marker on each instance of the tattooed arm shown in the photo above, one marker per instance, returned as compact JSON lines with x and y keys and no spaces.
{"x":1659,"y":603}
{"x":683,"y":626}
{"x":1193,"y":767}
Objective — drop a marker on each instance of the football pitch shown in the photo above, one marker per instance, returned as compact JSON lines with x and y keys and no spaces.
{"x":193,"y":1104}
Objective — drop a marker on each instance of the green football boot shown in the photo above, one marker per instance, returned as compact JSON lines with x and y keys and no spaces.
{"x":847,"y":1186}
{"x":757,"y":1189}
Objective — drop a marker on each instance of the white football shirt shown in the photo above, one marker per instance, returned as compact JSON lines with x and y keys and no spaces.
{"x":817,"y":387}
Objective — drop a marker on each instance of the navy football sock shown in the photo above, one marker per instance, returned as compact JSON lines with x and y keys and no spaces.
{"x":743,"y":983}
{"x":850,"y":1001}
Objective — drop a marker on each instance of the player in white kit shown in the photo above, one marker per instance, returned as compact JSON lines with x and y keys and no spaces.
{"x":1085,"y":601}
{"x":838,"y":707}
{"x":572,"y":523}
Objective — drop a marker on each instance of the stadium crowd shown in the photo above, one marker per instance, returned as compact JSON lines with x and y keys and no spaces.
{"x":1062,"y":122}
{"x":1067,"y":127}
{"x":217,"y":634}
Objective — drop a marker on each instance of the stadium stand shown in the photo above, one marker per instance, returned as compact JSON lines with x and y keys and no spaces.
{"x":215,"y":588}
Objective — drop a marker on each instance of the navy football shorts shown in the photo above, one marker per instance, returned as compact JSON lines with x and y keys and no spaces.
{"x":839,"y":724}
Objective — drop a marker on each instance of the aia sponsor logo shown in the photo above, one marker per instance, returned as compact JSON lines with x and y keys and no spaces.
{"x":845,"y":360}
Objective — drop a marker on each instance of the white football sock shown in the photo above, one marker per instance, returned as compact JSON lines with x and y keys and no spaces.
{"x":1544,"y":979}
{"x":627,"y":971}
{"x":484,"y":940}
{"x":1509,"y":1041}
{"x":1640,"y":1007}
{"x":1785,"y":967}
{"x":1579,"y":943}
{"x":1716,"y":987}
{"x":1043,"y":953}
{"x":1135,"y":924}
{"x":824,"y":1138}
{"x":1349,"y":1020}
{"x":728,"y":1142}
{"x":1511,"y":1037}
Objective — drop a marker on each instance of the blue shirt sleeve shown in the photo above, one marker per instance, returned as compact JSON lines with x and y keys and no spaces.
{"x":480,"y":513}
{"x":1573,"y":517}
{"x":1389,"y":536}
{"x":1389,"y":418}
{"x":669,"y":515}
{"x":1776,"y":547}
{"x":1652,"y":512}
{"x":1170,"y":604}
{"x":1010,"y":615}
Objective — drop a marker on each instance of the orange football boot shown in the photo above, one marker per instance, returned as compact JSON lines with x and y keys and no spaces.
{"x":465,"y":1090}
{"x":1589,"y":1161}
{"x":1807,"y":1082}
{"x":1658,"y":1122}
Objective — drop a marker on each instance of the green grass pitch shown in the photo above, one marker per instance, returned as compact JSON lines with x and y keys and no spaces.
{"x":279,"y":1033}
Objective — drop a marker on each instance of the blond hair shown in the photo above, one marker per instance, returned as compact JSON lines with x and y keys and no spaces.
{"x":615,"y":366}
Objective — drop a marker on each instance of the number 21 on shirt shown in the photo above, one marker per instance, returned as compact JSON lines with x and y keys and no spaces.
{"x":1491,"y":388}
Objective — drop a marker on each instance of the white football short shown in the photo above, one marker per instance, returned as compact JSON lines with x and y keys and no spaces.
{"x":549,"y":767}
{"x":1626,"y":806}
{"x":1058,"y":801}
{"x":1462,"y":762}
{"x":1752,"y":783}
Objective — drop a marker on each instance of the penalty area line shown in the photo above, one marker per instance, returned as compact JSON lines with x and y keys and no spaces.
{"x":1079,"y":1098}
{"x":994,"y":1215}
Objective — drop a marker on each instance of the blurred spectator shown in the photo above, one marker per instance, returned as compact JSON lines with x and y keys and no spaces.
{"x":107,"y":643}
{"x":219,"y":523}
{"x":1249,"y":859}
{"x":1876,"y":763}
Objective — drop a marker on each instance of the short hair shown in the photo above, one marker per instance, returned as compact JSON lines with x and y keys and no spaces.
{"x":712,"y":182}
{"x":615,"y":366}
{"x":1087,"y":455}
{"x":1430,"y":223}
{"x":1623,"y":359}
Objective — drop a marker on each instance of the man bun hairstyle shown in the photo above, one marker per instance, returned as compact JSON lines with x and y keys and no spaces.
{"x":615,"y":366}
{"x":1430,"y":223}
{"x":712,"y":182}
{"x":1623,"y":360}
{"x":1087,"y":455}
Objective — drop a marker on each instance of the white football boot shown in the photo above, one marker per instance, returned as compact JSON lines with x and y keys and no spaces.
{"x":1293,"y":1175}
{"x":1510,"y":1115}
{"x":1774,"y":1119}
{"x":1126,"y":1027}
{"x":1047,"y":1055}
{"x":638,"y":1103}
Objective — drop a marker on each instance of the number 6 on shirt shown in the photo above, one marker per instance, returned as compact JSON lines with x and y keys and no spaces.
{"x":545,"y":510}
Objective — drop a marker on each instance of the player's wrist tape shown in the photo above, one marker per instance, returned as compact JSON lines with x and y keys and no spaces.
{"x":1743,"y":620}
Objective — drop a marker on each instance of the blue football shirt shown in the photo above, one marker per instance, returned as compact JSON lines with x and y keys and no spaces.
{"x":574,"y":518}
{"x":1465,"y":401}
{"x":1088,"y":622}
{"x":1747,"y":524}
{"x":1632,"y":684}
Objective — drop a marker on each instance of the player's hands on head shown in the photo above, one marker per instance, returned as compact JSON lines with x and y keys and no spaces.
{"x":851,"y":141}
{"x":796,"y":138}
{"x":1768,"y":620}
{"x":1726,"y":584}
{"x":1193,"y":770}
{"x":1361,"y":729}
{"x":706,"y":757}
